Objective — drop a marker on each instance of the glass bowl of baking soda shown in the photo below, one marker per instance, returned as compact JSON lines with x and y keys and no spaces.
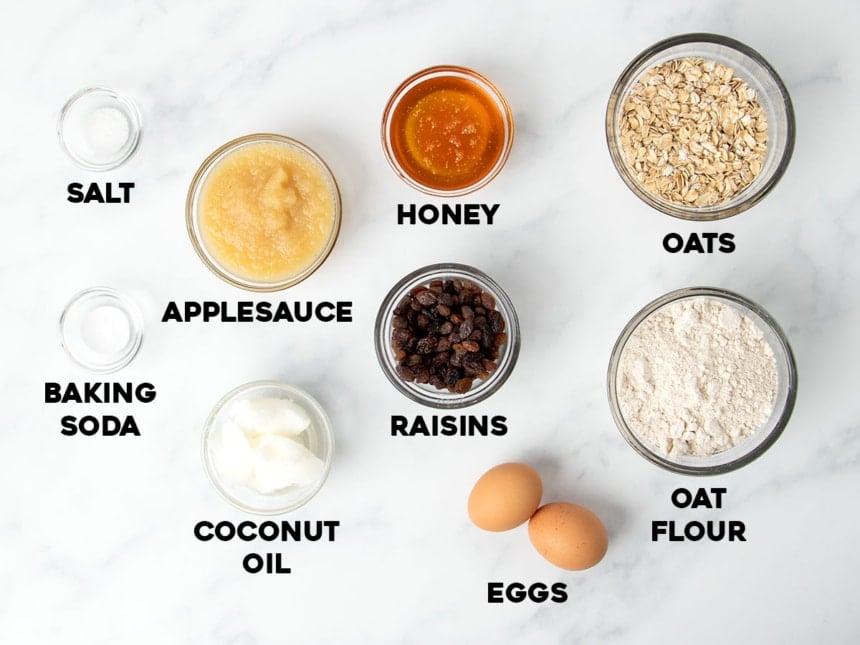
{"x":101,"y":329}
{"x":702,"y":381}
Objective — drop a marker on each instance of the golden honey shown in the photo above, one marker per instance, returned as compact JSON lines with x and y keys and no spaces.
{"x":447,"y":133}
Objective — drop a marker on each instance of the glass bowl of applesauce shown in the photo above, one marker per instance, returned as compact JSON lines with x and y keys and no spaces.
{"x":263,"y":212}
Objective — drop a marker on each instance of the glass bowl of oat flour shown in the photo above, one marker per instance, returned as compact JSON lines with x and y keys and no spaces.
{"x":701,"y":381}
{"x":700,"y":126}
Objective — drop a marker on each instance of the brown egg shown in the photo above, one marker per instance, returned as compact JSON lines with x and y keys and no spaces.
{"x":568,"y":535}
{"x":505,"y":497}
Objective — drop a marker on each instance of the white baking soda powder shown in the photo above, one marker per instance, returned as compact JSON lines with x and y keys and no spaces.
{"x":106,"y":330}
{"x":696,"y":378}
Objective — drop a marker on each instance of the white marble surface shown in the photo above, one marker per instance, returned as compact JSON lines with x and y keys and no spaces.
{"x":96,"y":543}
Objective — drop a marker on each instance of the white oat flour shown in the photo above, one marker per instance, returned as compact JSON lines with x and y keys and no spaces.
{"x":696,"y":377}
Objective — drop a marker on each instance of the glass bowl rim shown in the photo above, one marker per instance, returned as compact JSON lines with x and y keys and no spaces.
{"x":326,"y":430}
{"x":193,"y":196}
{"x":136,"y":328}
{"x":782,"y":353}
{"x":132,"y":112}
{"x":503,"y":304}
{"x":713,"y":213}
{"x":462,"y":72}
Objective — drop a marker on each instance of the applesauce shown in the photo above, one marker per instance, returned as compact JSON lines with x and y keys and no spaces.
{"x":265,"y":212}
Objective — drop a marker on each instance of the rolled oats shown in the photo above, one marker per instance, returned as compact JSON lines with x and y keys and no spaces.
{"x":693,"y":133}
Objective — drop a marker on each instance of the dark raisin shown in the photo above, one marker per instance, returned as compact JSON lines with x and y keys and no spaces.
{"x":462,"y":386}
{"x":403,"y":305}
{"x":466,"y":328}
{"x":441,"y":358}
{"x":497,"y":322}
{"x":470,"y":345}
{"x":426,"y":345}
{"x":405,"y":373}
{"x":426,"y":298}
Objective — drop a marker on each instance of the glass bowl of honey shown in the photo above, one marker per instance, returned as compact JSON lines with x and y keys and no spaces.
{"x":447,"y":131}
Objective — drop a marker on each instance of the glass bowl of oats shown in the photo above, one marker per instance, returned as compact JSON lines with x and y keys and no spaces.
{"x":700,"y":126}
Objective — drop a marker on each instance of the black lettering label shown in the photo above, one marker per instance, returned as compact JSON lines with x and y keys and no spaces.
{"x":94,"y":193}
{"x":517,"y":592}
{"x":99,"y":392}
{"x":702,"y":529}
{"x":699,"y":243}
{"x":249,"y":312}
{"x":103,"y":425}
{"x":447,"y":213}
{"x":106,"y":425}
{"x":266,"y":531}
{"x":448,"y":425}
{"x":267,"y":563}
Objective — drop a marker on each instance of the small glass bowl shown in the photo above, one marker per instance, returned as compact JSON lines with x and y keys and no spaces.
{"x":426,"y":393}
{"x":101,"y":329}
{"x":750,"y":66}
{"x":318,"y":438}
{"x":192,"y":215}
{"x":428,"y":75}
{"x":99,"y":128}
{"x":746,"y":450}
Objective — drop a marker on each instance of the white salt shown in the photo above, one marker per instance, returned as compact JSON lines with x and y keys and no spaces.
{"x":106,"y":130}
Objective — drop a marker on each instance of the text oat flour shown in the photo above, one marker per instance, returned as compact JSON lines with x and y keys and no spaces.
{"x":696,"y":378}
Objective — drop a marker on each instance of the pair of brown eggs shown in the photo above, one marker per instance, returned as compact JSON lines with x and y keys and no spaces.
{"x":567,"y":535}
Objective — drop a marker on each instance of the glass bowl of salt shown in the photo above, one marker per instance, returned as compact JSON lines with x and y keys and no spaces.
{"x":99,"y":128}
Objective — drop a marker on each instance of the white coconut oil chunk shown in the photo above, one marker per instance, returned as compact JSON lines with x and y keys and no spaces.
{"x":259,"y":445}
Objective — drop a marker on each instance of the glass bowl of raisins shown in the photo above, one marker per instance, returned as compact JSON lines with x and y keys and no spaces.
{"x":447,"y":336}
